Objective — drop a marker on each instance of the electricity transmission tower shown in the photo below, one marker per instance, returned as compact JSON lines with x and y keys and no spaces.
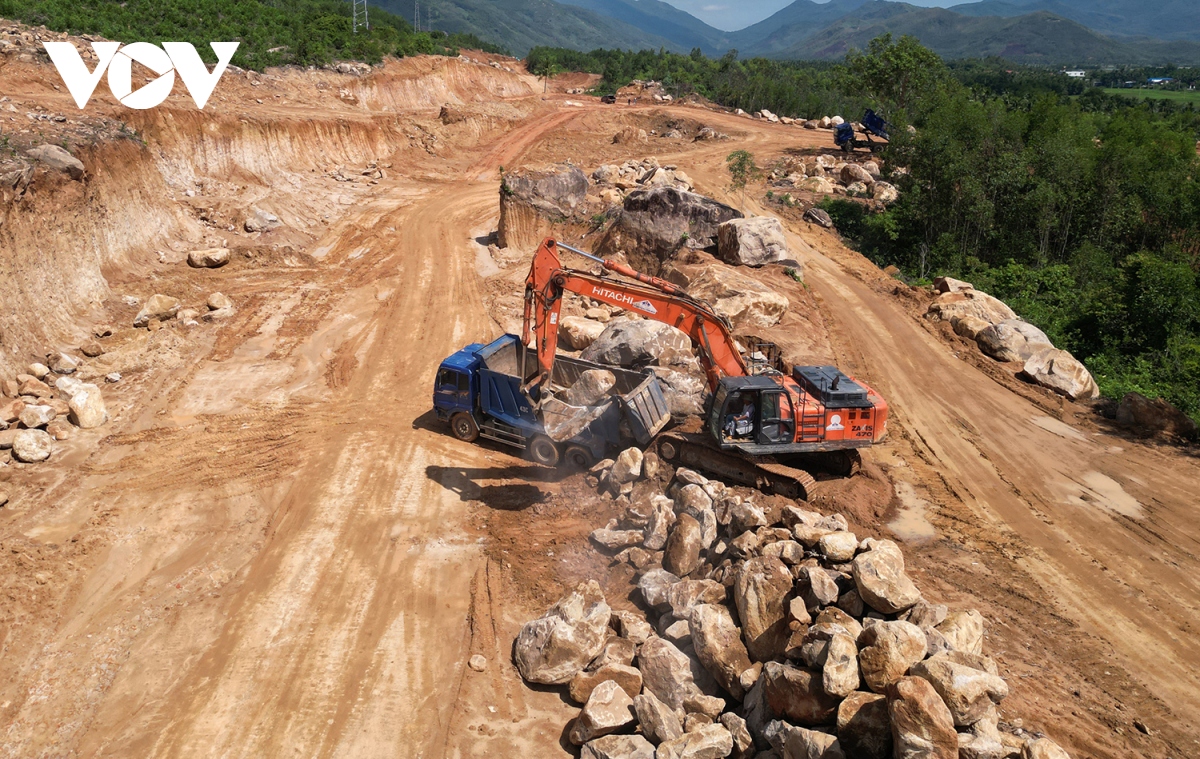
{"x":417,"y":16}
{"x":359,"y":8}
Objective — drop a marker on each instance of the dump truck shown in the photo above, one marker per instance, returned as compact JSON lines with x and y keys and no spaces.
{"x":872,"y":124}
{"x":488,"y":391}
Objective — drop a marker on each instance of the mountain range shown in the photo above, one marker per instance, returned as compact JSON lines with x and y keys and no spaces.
{"x":1051,"y":32}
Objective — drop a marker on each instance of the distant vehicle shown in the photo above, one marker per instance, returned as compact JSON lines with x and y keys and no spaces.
{"x":872,"y":124}
{"x":608,"y":99}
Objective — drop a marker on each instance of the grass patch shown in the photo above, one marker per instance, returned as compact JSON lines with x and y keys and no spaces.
{"x":1179,"y":96}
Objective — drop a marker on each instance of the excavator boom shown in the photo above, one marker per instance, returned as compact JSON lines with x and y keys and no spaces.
{"x":651,"y":297}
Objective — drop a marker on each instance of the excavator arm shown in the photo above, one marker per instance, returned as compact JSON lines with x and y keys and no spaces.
{"x":651,"y":297}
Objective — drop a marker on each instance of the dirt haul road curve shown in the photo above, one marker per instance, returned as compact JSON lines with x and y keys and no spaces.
{"x":346,"y":631}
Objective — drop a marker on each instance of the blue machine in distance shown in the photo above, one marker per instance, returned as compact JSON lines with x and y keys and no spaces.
{"x":872,"y":124}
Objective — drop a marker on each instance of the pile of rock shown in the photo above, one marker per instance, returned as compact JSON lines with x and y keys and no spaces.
{"x":43,"y":405}
{"x":614,"y":181}
{"x":161,"y":310}
{"x":654,"y":223}
{"x":998,"y":332}
{"x":638,"y":88}
{"x":763,"y":630}
{"x":825,"y":175}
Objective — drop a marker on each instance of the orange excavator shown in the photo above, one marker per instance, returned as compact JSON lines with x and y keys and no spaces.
{"x":759,"y":421}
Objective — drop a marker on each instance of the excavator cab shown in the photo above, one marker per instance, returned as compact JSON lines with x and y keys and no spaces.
{"x":751,"y":411}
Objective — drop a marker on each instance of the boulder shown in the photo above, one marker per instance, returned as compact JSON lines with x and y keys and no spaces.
{"x":658,"y":721}
{"x":682,"y":551}
{"x":760,"y":590}
{"x":951,"y":285}
{"x":819,"y":217}
{"x":743,"y":741}
{"x":655,"y":586}
{"x":632,"y":626}
{"x":922,"y":727}
{"x":62,"y":363}
{"x":158,"y":307}
{"x":31,"y":446}
{"x":745,"y":301}
{"x":1011,"y":340}
{"x":666,"y":672}
{"x":87,"y":408}
{"x":608,"y":709}
{"x":811,"y":744}
{"x":658,"y":526}
{"x":685,"y":595}
{"x":554,"y":648}
{"x":92,"y":349}
{"x":872,"y":168}
{"x":208,"y":258}
{"x":259,"y":220}
{"x":606,"y":173}
{"x":817,"y":587}
{"x":638,"y":343}
{"x":582,"y":685}
{"x":968,"y":326}
{"x":34,"y":416}
{"x":618,"y":747}
{"x":1153,"y":417}
{"x":969,"y":693}
{"x":1043,"y":748}
{"x":219,"y":302}
{"x":718,"y":644}
{"x":964,"y":631}
{"x":852,"y":173}
{"x":884,"y":192}
{"x":10,"y":410}
{"x":863,"y":727}
{"x":707,"y":742}
{"x":531,"y":198}
{"x":684,"y":392}
{"x":630,"y":136}
{"x":35,"y":388}
{"x":57,"y":158}
{"x":628,"y":465}
{"x":840,"y":676}
{"x":881,"y":580}
{"x":655,"y":223}
{"x":817,"y":185}
{"x":887,"y":650}
{"x":7,"y":438}
{"x":578,"y":332}
{"x":592,"y":387}
{"x":838,"y":547}
{"x":751,"y":242}
{"x":615,"y":540}
{"x":1059,"y":371}
{"x":798,"y":695}
{"x":970,"y":303}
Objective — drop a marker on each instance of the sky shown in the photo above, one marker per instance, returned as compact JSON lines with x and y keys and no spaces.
{"x":731,"y":15}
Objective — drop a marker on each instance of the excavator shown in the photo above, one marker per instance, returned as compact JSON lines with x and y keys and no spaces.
{"x":759,"y":420}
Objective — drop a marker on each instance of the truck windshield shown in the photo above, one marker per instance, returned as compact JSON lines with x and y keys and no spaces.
{"x":714,"y":415}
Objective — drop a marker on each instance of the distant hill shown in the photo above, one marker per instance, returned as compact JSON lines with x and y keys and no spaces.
{"x":1039,"y":37}
{"x":1160,"y":19}
{"x":522,"y":24}
{"x":788,"y":27}
{"x":665,"y":20}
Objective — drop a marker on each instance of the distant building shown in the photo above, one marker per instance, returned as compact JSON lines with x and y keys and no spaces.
{"x":1160,"y":80}
{"x":1076,"y":74}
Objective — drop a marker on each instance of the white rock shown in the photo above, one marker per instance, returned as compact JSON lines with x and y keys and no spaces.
{"x":31,"y":446}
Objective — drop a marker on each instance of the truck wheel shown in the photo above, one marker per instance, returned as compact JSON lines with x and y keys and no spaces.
{"x":542,"y":450}
{"x":579,"y":457}
{"x":464,"y":427}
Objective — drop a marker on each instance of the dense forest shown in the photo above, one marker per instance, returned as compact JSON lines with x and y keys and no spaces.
{"x":272,"y":32}
{"x":1078,"y":207}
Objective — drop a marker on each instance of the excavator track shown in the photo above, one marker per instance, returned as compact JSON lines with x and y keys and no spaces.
{"x":692,"y":450}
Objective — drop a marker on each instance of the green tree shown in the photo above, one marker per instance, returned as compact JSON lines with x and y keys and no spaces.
{"x":742,"y":170}
{"x":898,"y":73}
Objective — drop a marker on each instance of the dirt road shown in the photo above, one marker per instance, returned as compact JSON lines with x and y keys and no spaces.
{"x":278,"y":555}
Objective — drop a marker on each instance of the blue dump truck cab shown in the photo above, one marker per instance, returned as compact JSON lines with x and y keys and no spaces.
{"x":478,"y":391}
